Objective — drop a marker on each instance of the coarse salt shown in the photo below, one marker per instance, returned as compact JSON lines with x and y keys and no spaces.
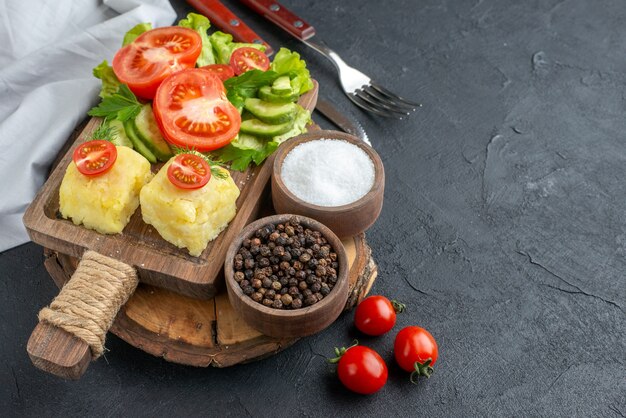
{"x":328,"y":172}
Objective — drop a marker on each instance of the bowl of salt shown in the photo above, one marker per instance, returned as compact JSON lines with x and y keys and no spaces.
{"x":332,"y":177}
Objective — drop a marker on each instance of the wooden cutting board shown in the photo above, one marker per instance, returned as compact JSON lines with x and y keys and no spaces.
{"x":139,"y":252}
{"x":157,"y":262}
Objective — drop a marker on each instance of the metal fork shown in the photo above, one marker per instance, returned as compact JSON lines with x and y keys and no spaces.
{"x":362,"y":90}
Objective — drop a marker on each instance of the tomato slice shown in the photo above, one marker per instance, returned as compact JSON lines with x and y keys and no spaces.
{"x":93,"y":158}
{"x":154,"y":55}
{"x":223,"y":71}
{"x":247,"y":58}
{"x":189,"y":171}
{"x":192,"y":110}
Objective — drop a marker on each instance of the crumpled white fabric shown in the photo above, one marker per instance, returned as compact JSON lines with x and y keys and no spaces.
{"x":47,"y":51}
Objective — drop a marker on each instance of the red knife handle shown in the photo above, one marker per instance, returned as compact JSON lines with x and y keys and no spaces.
{"x":282,"y":17}
{"x":227,"y":21}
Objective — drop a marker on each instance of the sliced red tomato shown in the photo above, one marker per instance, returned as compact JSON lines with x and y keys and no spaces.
{"x":189,"y":171}
{"x":93,"y":158}
{"x":223,"y":71}
{"x":247,"y":58}
{"x":154,"y":55}
{"x":192,"y":110}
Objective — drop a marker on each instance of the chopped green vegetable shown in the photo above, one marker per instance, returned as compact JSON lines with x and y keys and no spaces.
{"x":247,"y":85}
{"x":137,"y":30}
{"x":200,"y":24}
{"x":288,"y":62}
{"x":110,"y":83}
{"x":122,"y":105}
{"x":224,"y":46}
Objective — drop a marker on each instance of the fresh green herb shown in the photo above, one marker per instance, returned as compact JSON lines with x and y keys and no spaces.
{"x":216,"y":171}
{"x":200,"y":24}
{"x":122,"y":105}
{"x":110,"y":83}
{"x":104,"y":132}
{"x":137,"y":30}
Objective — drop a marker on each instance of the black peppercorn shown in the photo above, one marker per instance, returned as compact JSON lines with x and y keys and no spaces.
{"x":249,"y":263}
{"x":248,"y":290}
{"x":268,"y":302}
{"x":277,"y":304}
{"x":265,"y":251}
{"x":239,"y":276}
{"x":306,"y":292}
{"x":274,"y":236}
{"x":286,"y":299}
{"x":304,"y":258}
{"x":293,"y":290}
{"x":246,"y":243}
{"x":302,"y":286}
{"x":256,"y":283}
{"x":315,"y":287}
{"x":276,"y":286}
{"x":257,"y":297}
{"x":310,"y":300}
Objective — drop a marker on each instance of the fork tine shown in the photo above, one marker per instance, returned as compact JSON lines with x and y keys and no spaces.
{"x":375,"y":95}
{"x":378,"y":104}
{"x":393,"y":95}
{"x":367,"y":107}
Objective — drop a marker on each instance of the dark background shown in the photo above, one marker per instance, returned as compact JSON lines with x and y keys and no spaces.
{"x":503,"y":227}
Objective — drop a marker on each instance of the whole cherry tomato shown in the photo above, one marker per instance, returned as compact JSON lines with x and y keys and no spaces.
{"x":376,"y":315}
{"x":361,"y":369}
{"x":415,"y":351}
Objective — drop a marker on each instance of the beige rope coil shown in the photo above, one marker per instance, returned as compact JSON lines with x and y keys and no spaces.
{"x":89,"y":302}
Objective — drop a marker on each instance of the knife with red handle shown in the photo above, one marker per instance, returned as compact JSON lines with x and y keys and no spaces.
{"x":227,"y":21}
{"x":282,"y":17}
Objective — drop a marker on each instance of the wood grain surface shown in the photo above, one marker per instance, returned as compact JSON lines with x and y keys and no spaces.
{"x":205,"y":333}
{"x":158,"y":262}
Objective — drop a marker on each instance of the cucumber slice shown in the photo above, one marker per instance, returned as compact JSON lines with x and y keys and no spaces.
{"x":149,"y":133}
{"x":272,"y":113}
{"x":261,"y":129}
{"x":140,"y":147}
{"x":265,"y":93}
{"x":282,"y":86}
{"x":118,"y":134}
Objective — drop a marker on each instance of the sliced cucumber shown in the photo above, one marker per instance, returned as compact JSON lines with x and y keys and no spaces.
{"x":282,"y":86}
{"x":302,"y":119}
{"x":140,"y":147}
{"x":118,"y":134}
{"x":265,"y":93}
{"x":149,"y":133}
{"x":272,"y":113}
{"x":262,"y":129}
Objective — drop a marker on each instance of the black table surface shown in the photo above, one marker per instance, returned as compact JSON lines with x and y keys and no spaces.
{"x":503,"y":228}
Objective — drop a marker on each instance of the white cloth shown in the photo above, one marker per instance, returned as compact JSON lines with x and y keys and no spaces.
{"x":47,"y":51}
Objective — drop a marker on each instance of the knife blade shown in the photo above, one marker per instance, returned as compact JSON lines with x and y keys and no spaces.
{"x":342,"y":121}
{"x":227,"y":21}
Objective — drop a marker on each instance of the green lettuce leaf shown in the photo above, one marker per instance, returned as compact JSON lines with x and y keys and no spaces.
{"x":224,"y":46}
{"x":132,"y":34}
{"x":288,"y":62}
{"x":200,"y":24}
{"x":110,"y":83}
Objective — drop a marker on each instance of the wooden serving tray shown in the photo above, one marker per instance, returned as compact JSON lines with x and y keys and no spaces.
{"x":205,"y":333}
{"x":157,"y":262}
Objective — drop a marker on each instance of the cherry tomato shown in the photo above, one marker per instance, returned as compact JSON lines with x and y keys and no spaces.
{"x":93,"y":158}
{"x":362,"y":370}
{"x":415,"y":351}
{"x":376,"y":315}
{"x":192,"y":111}
{"x":154,"y":55}
{"x":189,"y":171}
{"x":247,"y":58}
{"x":223,"y":71}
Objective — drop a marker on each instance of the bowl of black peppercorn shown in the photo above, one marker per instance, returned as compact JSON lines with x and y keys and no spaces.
{"x":287,"y":275}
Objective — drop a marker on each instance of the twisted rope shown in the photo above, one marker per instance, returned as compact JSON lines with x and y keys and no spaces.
{"x":89,"y":302}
